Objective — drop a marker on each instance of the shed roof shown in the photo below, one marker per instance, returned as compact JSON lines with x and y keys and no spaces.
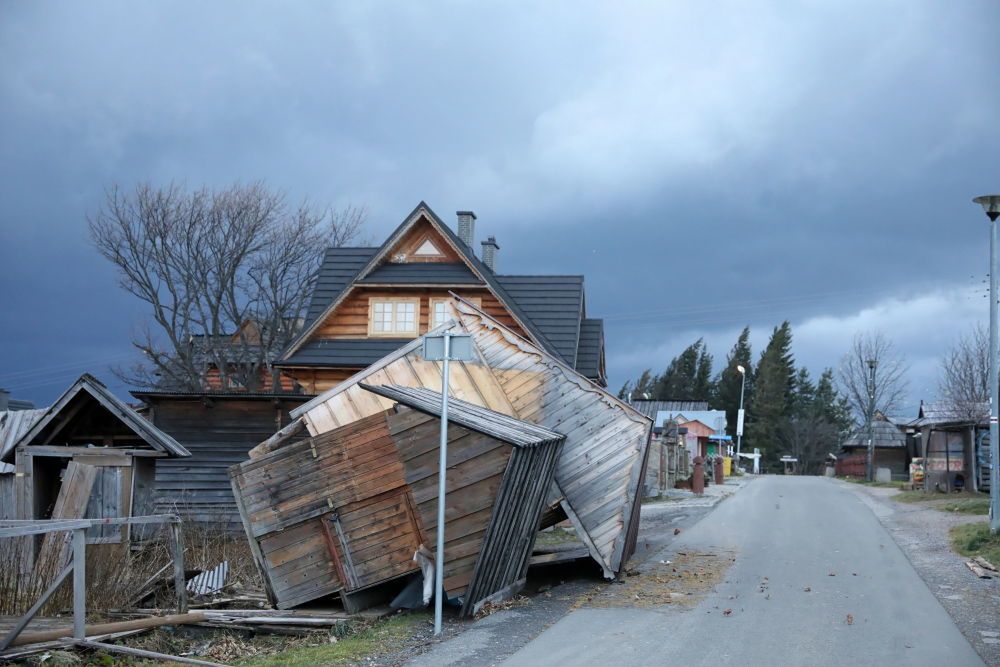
{"x":886,"y":434}
{"x":482,"y":420}
{"x":651,"y":408}
{"x":89,"y":385}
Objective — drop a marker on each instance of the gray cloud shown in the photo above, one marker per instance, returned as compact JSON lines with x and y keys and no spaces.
{"x":812,"y":161}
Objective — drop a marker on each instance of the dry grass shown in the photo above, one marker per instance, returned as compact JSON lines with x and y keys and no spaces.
{"x":115,"y":572}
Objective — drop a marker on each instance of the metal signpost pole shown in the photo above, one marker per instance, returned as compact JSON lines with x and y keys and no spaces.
{"x":871,"y":418}
{"x":739,"y":415}
{"x":442,"y":472}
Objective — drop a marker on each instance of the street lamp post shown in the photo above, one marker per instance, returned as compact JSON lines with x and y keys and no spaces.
{"x":739,"y":415}
{"x":991,"y":204}
{"x":872,"y":363}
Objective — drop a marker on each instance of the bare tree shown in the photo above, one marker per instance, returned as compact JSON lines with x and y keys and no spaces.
{"x":965,"y":370}
{"x":854,"y":375}
{"x":810,"y":438}
{"x":227,"y":274}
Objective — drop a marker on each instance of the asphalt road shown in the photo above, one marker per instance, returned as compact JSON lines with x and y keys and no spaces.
{"x":865,"y":604}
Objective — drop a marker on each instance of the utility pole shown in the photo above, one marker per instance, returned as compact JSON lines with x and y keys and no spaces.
{"x":740,"y":415}
{"x":872,"y":363}
{"x":991,"y":205}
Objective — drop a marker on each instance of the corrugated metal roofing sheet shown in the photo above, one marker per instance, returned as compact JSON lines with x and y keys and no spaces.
{"x":14,"y":424}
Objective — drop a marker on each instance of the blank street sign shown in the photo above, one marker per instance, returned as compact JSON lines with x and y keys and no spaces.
{"x":460,"y":348}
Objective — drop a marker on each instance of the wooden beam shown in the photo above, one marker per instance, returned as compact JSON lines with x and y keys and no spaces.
{"x":128,"y":650}
{"x":107,"y":628}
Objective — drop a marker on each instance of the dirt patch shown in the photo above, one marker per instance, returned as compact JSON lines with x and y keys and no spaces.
{"x":684,"y":579}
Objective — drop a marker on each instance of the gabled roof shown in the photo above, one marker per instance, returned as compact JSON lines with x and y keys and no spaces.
{"x":482,"y":420}
{"x":349,"y":352}
{"x":480,"y":270}
{"x":713,"y":419}
{"x":339,"y":267}
{"x":886,"y":434}
{"x":90,"y":386}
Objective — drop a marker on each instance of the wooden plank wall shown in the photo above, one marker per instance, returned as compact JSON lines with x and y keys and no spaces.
{"x":8,"y":509}
{"x":218,"y":434}
{"x":470,"y":381}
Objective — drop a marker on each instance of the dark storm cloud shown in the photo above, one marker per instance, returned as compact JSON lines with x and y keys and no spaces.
{"x":704,"y":166}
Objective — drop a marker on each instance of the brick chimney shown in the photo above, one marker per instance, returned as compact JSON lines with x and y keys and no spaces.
{"x":467,"y":227}
{"x":490,"y":250}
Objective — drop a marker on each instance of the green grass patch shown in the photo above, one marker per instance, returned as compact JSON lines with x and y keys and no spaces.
{"x":975,"y":539}
{"x":918,"y":496}
{"x":967,"y":506}
{"x":383,"y":637}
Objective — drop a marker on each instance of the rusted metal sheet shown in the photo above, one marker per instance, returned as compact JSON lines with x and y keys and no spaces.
{"x":598,"y":474}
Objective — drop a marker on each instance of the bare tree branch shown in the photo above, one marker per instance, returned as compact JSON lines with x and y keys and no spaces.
{"x":227,"y":275}
{"x":853,"y":379}
{"x":964,"y":384}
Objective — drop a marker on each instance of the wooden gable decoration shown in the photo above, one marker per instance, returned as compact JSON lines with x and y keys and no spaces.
{"x":599,"y":473}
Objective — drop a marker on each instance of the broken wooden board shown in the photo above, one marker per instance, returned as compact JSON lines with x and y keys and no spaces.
{"x":71,"y":503}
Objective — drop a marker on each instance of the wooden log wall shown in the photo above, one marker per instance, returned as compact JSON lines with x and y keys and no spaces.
{"x":218,"y":433}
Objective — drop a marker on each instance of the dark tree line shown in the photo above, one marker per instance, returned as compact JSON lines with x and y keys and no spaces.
{"x":786,"y":411}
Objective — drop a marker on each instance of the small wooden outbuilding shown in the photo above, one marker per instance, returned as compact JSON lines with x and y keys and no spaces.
{"x":87,"y":456}
{"x":346,"y":510}
{"x":599,"y":475}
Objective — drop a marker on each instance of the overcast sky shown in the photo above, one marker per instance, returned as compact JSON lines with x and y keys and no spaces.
{"x":704,"y":164}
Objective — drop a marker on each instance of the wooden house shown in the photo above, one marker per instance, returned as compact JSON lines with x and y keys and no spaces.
{"x":348,"y":509}
{"x":890,"y":451}
{"x":371,"y":301}
{"x":218,"y":429}
{"x":954,"y":443}
{"x":87,"y":456}
{"x":598,"y":478}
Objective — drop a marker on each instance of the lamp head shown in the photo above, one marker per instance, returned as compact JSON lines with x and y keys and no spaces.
{"x":990,"y":204}
{"x":742,"y":370}
{"x":872,"y":363}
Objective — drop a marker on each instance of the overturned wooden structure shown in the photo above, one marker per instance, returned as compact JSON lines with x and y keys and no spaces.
{"x":348,"y":509}
{"x":599,"y":475}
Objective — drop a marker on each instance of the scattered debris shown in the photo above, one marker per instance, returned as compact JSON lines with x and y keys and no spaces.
{"x":850,"y":619}
{"x":807,"y":589}
{"x":727,"y":612}
{"x":210,"y":581}
{"x":978,"y":570}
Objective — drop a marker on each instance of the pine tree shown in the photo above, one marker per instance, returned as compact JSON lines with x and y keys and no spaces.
{"x":730,"y":381}
{"x":688,"y":376}
{"x":774,"y":386}
{"x":834,"y":407}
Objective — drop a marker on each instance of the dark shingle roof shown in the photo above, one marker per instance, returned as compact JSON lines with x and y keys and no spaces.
{"x":432,"y":273}
{"x":588,"y":355}
{"x":651,"y":408}
{"x":554,"y":304}
{"x":482,"y":420}
{"x":886,"y":434}
{"x":340,"y":266}
{"x":355,"y":352}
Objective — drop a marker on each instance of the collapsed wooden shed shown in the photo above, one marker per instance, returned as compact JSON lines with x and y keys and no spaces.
{"x":348,"y":509}
{"x":87,"y":456}
{"x":600,"y":471}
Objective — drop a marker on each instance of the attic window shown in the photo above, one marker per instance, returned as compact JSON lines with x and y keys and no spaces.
{"x":393,"y":317}
{"x":427,"y":249}
{"x":439,"y":309}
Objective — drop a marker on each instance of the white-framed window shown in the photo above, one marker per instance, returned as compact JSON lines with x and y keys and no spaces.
{"x":393,"y":317}
{"x":440,"y":310}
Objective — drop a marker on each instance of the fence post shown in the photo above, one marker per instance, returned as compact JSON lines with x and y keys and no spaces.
{"x":177,"y":553}
{"x":80,"y":583}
